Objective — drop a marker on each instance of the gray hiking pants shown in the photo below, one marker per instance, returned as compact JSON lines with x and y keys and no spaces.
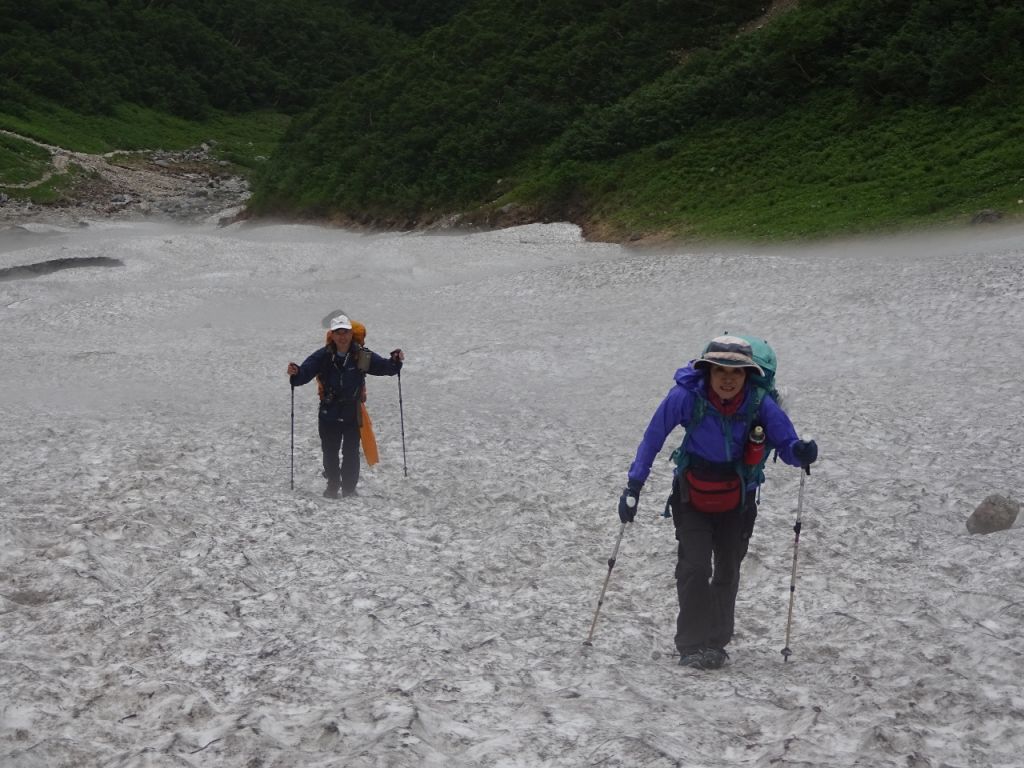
{"x":711,"y":548}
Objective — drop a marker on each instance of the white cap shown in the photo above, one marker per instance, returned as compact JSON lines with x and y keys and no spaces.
{"x":341,"y":321}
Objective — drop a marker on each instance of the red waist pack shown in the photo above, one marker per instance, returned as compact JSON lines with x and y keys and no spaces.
{"x":714,"y":492}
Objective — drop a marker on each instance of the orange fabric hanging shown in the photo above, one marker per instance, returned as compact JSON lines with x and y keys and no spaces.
{"x":367,"y":438}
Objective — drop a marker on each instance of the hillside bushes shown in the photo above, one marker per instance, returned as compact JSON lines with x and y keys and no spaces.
{"x":185,"y":58}
{"x":445,"y":118}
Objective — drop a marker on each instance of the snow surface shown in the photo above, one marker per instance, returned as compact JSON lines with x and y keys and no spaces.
{"x":167,"y":600}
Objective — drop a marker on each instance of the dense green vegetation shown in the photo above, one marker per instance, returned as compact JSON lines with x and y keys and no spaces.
{"x":683,"y":118}
{"x":840,"y":115}
{"x":822,"y":169}
{"x":185,"y":58}
{"x":102,"y":75}
{"x":468,"y":101}
{"x":885,"y":55}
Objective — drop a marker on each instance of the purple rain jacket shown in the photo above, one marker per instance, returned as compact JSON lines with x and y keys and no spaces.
{"x":716,"y":438}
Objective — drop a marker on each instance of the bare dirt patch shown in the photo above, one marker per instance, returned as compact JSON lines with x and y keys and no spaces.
{"x":189,"y":186}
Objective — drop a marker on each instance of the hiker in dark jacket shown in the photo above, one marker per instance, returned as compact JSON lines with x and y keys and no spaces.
{"x":713,"y":498}
{"x":342,"y":365}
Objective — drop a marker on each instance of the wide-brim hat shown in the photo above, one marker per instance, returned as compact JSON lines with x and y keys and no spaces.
{"x":341,"y":322}
{"x":728,"y":352}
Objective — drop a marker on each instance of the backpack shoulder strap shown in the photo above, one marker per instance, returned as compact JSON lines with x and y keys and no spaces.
{"x":757,"y":396}
{"x":681,"y":456}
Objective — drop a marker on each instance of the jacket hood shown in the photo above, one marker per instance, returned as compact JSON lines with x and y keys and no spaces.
{"x":691,"y":379}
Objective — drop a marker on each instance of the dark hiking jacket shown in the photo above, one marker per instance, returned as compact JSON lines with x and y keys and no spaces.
{"x":342,"y":380}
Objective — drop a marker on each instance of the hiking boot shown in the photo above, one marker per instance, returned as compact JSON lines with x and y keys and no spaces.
{"x":693,"y":659}
{"x":345,"y":494}
{"x":715,"y":658}
{"x":331,"y":491}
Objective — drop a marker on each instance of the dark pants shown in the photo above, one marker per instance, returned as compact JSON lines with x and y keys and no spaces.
{"x":335,"y":436}
{"x":711,"y":548}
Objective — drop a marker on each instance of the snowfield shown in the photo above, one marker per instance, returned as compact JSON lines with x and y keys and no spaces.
{"x":166,"y":599}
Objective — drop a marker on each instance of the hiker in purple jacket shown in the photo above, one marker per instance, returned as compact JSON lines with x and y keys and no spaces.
{"x":713,"y":493}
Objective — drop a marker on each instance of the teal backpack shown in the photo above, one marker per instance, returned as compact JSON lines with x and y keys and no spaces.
{"x":761,"y":386}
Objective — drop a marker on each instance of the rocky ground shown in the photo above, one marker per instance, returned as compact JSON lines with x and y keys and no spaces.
{"x":189,"y":186}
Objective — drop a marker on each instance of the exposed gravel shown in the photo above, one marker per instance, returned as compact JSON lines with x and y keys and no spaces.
{"x":189,"y":186}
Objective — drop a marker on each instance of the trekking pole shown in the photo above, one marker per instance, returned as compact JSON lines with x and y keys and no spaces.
{"x":786,"y":652}
{"x":293,"y":439}
{"x":600,"y":600}
{"x":401,"y":415}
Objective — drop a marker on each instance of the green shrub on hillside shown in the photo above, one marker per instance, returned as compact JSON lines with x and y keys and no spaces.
{"x":673,"y":115}
{"x":586,"y":110}
{"x":447,"y":116}
{"x":885,"y":54}
{"x":186,"y":58}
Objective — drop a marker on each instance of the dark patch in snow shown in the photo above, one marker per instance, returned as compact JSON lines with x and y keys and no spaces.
{"x":26,"y":271}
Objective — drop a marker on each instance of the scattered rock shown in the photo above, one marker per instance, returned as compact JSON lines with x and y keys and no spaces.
{"x":986,"y":216}
{"x":995,"y":513}
{"x":188,"y":186}
{"x":444,"y":223}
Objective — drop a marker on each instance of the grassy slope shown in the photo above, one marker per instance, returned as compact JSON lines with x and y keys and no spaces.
{"x":20,"y":161}
{"x":823,"y":166}
{"x":818,"y":170}
{"x":241,"y":138}
{"x":245,"y":141}
{"x":837,"y":117}
{"x":822,"y":169}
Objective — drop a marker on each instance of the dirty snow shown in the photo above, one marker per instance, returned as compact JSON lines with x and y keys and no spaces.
{"x":166,"y":598}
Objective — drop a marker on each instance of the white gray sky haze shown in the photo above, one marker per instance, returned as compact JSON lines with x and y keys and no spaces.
{"x":167,"y":600}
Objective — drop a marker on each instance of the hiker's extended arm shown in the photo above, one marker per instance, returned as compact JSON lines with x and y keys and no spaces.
{"x":673,"y":411}
{"x":385,"y":366}
{"x":310,"y":367}
{"x":780,"y":431}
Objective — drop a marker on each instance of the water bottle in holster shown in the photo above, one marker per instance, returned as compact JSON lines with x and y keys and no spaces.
{"x":753,"y":451}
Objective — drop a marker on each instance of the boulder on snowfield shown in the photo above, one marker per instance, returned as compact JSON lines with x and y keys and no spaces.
{"x":995,"y":513}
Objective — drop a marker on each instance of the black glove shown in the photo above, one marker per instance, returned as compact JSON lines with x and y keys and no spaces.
{"x":629,"y":501}
{"x":806,"y":452}
{"x":397,"y":357}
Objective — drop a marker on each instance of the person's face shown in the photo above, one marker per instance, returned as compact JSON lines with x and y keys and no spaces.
{"x":727,"y":382}
{"x":342,"y":337}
